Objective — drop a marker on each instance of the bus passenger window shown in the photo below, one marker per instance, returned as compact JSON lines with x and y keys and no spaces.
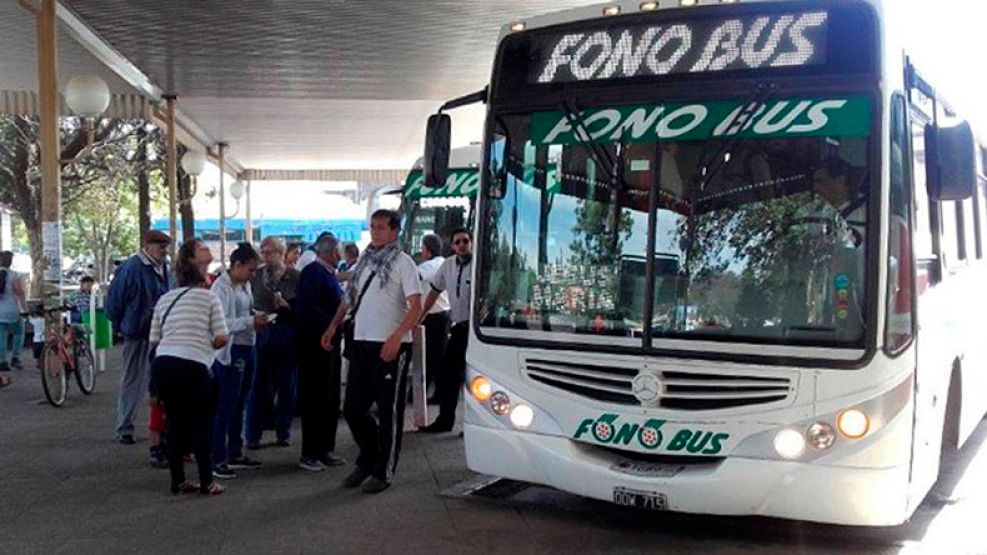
{"x":922,"y":221}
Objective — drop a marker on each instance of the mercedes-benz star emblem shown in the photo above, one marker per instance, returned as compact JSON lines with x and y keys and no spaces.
{"x":646,"y":387}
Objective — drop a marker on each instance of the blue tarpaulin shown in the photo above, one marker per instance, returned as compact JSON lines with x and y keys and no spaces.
{"x":303,"y":230}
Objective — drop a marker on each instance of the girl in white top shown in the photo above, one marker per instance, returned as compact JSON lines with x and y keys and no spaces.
{"x":187,"y":326}
{"x":234,"y":366}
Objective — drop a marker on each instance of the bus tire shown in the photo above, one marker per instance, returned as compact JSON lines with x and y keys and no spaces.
{"x":951,"y":422}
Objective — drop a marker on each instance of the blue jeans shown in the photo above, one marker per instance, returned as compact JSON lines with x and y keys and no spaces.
{"x":275,"y":384}
{"x":234,"y":384}
{"x":11,"y":341}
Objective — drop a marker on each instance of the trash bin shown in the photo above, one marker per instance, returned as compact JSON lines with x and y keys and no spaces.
{"x":103,"y":328}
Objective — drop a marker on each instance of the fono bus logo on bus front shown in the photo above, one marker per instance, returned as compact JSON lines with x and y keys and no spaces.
{"x":460,"y":183}
{"x":686,"y":47}
{"x":847,"y":117}
{"x":606,"y":430}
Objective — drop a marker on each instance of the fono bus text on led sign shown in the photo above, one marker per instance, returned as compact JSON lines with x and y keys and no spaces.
{"x":788,"y":40}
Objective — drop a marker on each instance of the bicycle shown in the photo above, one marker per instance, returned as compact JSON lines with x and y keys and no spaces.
{"x":64,"y":352}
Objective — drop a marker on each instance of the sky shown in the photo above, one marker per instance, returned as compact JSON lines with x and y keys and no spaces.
{"x":949,"y":46}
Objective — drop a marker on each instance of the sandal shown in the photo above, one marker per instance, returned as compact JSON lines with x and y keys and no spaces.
{"x":213,"y":489}
{"x":4,"y":381}
{"x":187,"y":486}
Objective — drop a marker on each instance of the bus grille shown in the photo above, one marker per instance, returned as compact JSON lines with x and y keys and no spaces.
{"x":683,"y":390}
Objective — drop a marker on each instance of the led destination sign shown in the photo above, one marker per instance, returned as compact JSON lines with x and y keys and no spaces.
{"x":682,"y":47}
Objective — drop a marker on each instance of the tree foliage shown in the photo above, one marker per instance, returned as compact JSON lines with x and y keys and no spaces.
{"x":99,"y":184}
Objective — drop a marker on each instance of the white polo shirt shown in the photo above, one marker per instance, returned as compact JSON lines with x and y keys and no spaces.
{"x":456,"y":279}
{"x":381,"y":310}
{"x":427,"y":270}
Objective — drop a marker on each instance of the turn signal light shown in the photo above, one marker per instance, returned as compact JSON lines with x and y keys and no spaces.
{"x":853,"y":423}
{"x":518,"y":26}
{"x":648,"y":6}
{"x":481,"y":389}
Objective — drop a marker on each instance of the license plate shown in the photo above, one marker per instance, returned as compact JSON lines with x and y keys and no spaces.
{"x":646,"y":500}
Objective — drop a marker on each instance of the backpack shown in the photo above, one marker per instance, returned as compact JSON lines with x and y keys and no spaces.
{"x":3,"y":280}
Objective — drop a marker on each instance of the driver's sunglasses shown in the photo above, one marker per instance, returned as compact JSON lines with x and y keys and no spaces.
{"x":461,"y":242}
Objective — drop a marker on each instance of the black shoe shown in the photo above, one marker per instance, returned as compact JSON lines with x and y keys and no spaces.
{"x":282,"y":443}
{"x":436,"y":427}
{"x":356,"y":477}
{"x":243,"y":463}
{"x":16,"y":364}
{"x":332,"y":459}
{"x":223,"y":472}
{"x":253,"y":445}
{"x":157,"y":458}
{"x":126,"y":439}
{"x":375,"y":485}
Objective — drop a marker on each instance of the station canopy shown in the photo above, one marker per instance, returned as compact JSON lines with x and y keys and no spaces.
{"x":288,"y":84}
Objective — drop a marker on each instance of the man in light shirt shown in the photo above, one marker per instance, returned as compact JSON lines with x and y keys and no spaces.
{"x":455,"y":277}
{"x":437,"y":319}
{"x":385,"y":294}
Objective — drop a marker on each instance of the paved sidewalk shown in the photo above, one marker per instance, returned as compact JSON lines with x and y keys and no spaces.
{"x":67,"y":487}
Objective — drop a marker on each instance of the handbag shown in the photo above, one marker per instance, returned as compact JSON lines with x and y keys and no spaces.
{"x":349,"y":324}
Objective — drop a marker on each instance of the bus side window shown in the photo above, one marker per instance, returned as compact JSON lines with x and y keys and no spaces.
{"x":980,"y":212}
{"x":970,"y":243}
{"x":900,"y":302}
{"x":922,"y":221}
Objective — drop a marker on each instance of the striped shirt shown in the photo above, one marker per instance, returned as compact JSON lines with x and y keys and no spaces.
{"x":188,"y":333}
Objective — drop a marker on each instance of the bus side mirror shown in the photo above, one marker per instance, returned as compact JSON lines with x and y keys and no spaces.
{"x":436,"y":161}
{"x":951,"y":162}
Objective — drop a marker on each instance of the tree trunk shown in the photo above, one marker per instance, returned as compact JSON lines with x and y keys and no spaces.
{"x":185,"y":205}
{"x":143,"y":183}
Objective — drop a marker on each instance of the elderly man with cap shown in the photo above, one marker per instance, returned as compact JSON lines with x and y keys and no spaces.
{"x":136,"y":288}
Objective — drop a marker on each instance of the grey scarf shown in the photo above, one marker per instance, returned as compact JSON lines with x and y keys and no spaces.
{"x":378,"y":260}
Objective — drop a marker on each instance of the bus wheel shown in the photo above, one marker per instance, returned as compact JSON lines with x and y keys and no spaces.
{"x":951,"y":423}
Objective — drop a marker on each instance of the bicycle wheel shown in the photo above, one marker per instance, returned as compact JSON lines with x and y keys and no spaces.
{"x":85,"y":367}
{"x":53,"y":375}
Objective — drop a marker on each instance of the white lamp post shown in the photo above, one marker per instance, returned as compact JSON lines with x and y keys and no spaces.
{"x":87,"y":96}
{"x":194,"y":162}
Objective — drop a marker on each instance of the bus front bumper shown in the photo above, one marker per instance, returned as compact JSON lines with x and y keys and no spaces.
{"x":728,"y":486}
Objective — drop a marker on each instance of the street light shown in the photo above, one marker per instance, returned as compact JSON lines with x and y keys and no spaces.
{"x":194,"y":162}
{"x":237,"y":189}
{"x":87,"y":96}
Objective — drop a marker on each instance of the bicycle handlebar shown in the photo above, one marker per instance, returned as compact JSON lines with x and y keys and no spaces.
{"x":42,"y":310}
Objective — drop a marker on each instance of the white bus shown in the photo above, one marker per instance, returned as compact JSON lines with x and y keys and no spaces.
{"x":730,"y":261}
{"x":440,"y":210}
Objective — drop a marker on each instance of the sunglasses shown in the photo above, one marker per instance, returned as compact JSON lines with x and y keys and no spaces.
{"x":461,"y":242}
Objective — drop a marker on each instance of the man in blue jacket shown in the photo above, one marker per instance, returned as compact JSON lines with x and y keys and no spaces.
{"x":136,"y":288}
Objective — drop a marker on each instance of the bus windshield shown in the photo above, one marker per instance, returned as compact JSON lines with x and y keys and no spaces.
{"x":755,"y":223}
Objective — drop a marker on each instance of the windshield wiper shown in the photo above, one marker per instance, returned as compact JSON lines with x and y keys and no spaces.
{"x":748,"y":110}
{"x":571,"y":111}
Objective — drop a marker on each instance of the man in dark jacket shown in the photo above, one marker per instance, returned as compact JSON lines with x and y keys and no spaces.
{"x":136,"y":288}
{"x":318,"y":298}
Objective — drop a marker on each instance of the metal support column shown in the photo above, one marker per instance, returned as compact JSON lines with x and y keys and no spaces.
{"x":222,"y":204}
{"x":249,"y":217}
{"x":171,"y":175}
{"x":51,"y":186}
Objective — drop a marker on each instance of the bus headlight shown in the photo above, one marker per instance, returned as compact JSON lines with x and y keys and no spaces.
{"x":611,"y":11}
{"x":481,"y":389}
{"x":789,"y":443}
{"x":500,"y":403}
{"x":518,"y":26}
{"x":853,"y":423}
{"x":820,"y":436}
{"x":522,"y":416}
{"x":648,"y":6}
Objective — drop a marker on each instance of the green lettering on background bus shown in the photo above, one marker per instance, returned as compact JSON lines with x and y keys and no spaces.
{"x":460,"y":183}
{"x":816,"y":117}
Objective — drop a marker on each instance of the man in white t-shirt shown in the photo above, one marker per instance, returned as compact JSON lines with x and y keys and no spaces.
{"x":436,"y":320}
{"x":454,"y":279}
{"x":386,"y":299}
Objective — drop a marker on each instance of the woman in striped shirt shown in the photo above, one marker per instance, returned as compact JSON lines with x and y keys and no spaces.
{"x":187,"y":326}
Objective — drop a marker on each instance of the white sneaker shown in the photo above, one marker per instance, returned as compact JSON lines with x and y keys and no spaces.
{"x":311,"y":465}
